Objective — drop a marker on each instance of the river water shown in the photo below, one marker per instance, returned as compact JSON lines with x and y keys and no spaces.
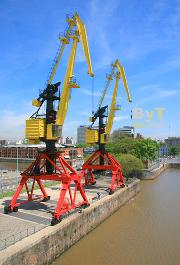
{"x":146,"y":231}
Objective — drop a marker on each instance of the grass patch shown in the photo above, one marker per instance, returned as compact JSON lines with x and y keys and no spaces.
{"x":10,"y":193}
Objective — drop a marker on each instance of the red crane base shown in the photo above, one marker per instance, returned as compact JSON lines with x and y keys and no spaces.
{"x":62,"y":172}
{"x":110,"y":163}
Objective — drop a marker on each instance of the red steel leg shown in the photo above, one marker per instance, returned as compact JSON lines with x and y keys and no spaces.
{"x":110,"y":164}
{"x":16,"y":194}
{"x":42,"y":188}
{"x":64,"y":173}
{"x":59,"y":208}
{"x":82,"y":192}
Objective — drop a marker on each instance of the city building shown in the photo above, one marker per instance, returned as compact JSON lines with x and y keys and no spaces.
{"x":163,"y":151}
{"x":81,"y":134}
{"x":173,"y":141}
{"x":68,"y":140}
{"x":3,"y":142}
{"x":126,"y":130}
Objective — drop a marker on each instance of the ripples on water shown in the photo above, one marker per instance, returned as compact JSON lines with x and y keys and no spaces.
{"x":146,"y":231}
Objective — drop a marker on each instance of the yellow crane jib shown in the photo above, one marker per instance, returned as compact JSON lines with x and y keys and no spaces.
{"x":75,"y":33}
{"x":122,"y":74}
{"x":92,"y":134}
{"x":79,"y":36}
{"x":84,"y":41}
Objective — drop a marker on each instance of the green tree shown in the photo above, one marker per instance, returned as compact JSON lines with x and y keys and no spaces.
{"x":131,"y":165}
{"x":173,"y":151}
{"x":145,"y":149}
{"x":82,"y":145}
{"x":121,"y":145}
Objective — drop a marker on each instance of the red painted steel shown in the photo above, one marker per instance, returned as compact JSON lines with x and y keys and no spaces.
{"x":110,"y":163}
{"x":63,"y":173}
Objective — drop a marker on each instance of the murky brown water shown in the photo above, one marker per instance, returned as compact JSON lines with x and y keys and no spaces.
{"x":146,"y":231}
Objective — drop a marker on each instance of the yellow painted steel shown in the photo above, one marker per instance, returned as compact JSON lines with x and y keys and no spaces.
{"x":67,"y":85}
{"x":113,"y":106}
{"x":64,"y":41}
{"x":77,"y":32}
{"x":109,"y":78}
{"x":84,"y":41}
{"x":91,"y":136}
{"x":117,"y":71}
{"x":104,"y":138}
{"x":73,"y":22}
{"x":65,"y":95}
{"x":36,"y":103}
{"x":122,"y":74}
{"x":35,"y":129}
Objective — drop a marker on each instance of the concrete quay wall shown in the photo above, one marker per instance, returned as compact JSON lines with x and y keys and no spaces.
{"x":49,"y":243}
{"x":149,"y":175}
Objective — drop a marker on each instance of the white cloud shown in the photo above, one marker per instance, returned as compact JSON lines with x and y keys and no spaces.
{"x":158,"y":95}
{"x":12,"y":125}
{"x":97,"y":94}
{"x":149,"y":87}
{"x":13,"y":122}
{"x":90,"y":93}
{"x":120,"y":118}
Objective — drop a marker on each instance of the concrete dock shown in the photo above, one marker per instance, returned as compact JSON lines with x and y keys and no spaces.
{"x":42,"y":243}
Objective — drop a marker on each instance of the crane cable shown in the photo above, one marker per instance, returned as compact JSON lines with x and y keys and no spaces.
{"x":92,"y":95}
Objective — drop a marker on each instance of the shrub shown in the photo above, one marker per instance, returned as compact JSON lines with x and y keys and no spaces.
{"x":131,"y":165}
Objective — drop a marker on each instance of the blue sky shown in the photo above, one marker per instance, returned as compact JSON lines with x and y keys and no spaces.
{"x":145,"y":36}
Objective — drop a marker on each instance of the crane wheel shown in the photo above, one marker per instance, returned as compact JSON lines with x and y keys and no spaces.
{"x":85,"y":206}
{"x":111,"y":192}
{"x":7,"y":209}
{"x":93,"y":183}
{"x":55,"y":221}
{"x":46,"y":199}
{"x":123,"y":185}
{"x":15,"y":209}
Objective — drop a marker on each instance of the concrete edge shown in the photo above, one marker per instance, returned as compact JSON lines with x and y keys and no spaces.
{"x":156,"y":172}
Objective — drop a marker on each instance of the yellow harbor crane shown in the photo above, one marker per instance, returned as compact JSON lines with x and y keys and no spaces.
{"x":49,"y":163}
{"x":101,"y":135}
{"x":38,"y":128}
{"x":101,"y":159}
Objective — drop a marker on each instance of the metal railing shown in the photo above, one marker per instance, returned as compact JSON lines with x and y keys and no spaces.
{"x":163,"y":160}
{"x":12,"y":239}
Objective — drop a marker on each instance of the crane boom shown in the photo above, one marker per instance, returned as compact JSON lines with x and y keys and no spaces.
{"x":64,"y":41}
{"x":84,"y":41}
{"x":102,"y":134}
{"x":72,"y":22}
{"x":122,"y":73}
{"x":68,"y":82}
{"x":109,"y":78}
{"x":54,"y":69}
{"x":113,"y":107}
{"x":65,"y":95}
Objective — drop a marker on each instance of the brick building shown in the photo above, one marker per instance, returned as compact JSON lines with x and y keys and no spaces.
{"x":27,"y":152}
